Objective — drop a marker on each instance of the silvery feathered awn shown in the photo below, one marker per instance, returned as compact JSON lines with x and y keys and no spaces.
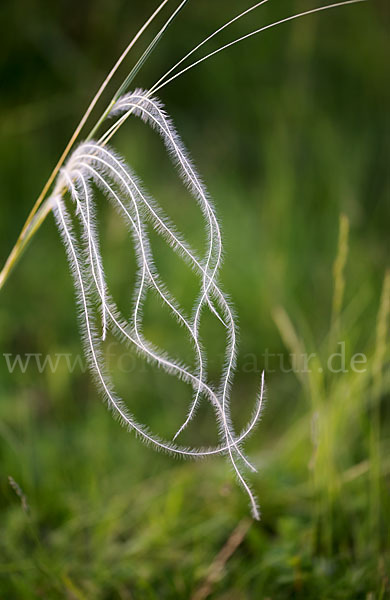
{"x":70,"y":194}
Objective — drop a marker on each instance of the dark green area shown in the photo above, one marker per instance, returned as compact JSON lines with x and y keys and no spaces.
{"x":289,"y":130}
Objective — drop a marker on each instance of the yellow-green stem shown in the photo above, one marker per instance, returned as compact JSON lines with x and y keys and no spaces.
{"x":24,"y":238}
{"x":32,"y":225}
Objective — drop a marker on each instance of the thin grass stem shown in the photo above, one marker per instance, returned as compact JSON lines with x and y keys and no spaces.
{"x":24,"y":235}
{"x":251,"y":34}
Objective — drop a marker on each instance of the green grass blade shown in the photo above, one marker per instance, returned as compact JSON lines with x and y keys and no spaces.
{"x":153,"y":44}
{"x":135,"y":70}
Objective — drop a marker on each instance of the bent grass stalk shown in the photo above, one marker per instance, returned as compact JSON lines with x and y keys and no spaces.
{"x":339,"y":280}
{"x":30,"y":227}
{"x":95,"y":165}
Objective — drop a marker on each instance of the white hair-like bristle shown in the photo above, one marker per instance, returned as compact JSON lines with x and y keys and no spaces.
{"x":95,"y":165}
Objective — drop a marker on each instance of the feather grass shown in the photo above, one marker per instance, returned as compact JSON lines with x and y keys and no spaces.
{"x":101,"y":164}
{"x":92,"y":165}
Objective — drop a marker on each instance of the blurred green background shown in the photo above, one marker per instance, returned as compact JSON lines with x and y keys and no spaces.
{"x":289,"y":131}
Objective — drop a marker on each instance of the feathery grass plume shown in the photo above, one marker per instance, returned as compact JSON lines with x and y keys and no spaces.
{"x":151,"y":112}
{"x":93,"y":165}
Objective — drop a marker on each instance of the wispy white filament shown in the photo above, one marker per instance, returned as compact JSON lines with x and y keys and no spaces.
{"x":150,"y":111}
{"x":93,"y":165}
{"x":85,"y":297}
